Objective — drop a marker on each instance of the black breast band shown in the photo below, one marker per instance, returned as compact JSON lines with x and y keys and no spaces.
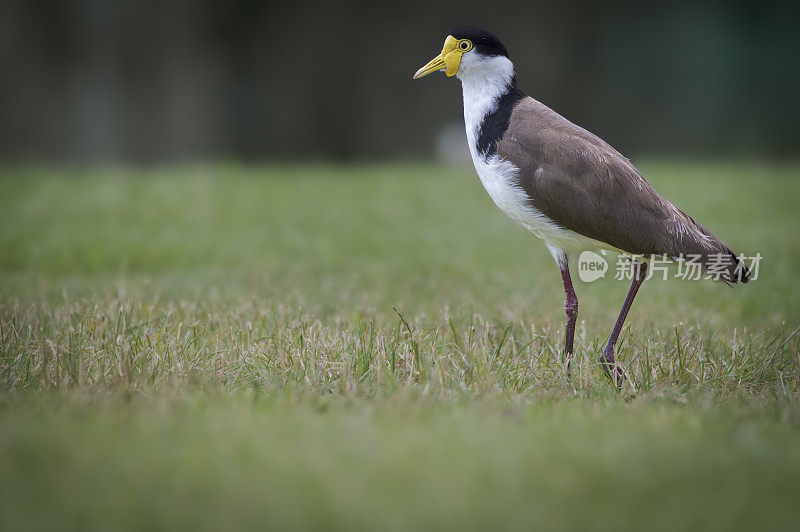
{"x":495,"y":124}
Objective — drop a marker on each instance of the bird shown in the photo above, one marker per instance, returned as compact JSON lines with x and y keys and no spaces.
{"x":566,"y":185}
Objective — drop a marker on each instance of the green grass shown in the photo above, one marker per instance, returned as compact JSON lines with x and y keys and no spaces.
{"x":379,"y":347}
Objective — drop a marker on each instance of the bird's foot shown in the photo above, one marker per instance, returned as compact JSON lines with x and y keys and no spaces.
{"x":566,"y":358}
{"x":612,"y":370}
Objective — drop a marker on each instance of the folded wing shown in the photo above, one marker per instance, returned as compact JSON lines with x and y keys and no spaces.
{"x":583,"y":184}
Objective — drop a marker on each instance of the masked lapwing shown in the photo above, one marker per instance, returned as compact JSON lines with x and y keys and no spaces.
{"x":564,"y":184}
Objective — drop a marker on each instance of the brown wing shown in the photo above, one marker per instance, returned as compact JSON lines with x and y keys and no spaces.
{"x":583,"y":184}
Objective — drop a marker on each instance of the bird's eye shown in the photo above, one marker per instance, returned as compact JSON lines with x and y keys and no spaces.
{"x":465,"y":45}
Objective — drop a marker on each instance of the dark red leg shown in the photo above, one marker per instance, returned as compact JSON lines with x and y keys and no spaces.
{"x":571,"y":309}
{"x":607,"y":360}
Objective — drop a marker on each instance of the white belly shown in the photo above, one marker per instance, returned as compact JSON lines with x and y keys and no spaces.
{"x":499,"y":179}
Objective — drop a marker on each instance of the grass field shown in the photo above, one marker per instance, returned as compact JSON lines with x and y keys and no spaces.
{"x":378,"y":347}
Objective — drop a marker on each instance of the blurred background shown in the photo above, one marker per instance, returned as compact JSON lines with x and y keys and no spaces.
{"x":152,"y":82}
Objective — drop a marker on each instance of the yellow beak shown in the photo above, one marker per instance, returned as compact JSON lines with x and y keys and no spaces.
{"x":448,"y":60}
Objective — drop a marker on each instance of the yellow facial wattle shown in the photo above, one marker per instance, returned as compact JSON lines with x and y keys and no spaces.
{"x":449,"y":59}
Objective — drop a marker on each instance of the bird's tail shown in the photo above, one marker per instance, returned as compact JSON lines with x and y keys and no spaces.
{"x":716,"y":259}
{"x":726,"y":267}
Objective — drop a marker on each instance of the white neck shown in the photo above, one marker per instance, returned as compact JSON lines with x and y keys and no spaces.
{"x":483,"y":80}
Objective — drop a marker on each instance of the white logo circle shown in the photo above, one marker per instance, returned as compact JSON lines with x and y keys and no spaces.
{"x":591,"y":266}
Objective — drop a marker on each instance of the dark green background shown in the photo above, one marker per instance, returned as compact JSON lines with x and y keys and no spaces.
{"x":144,"y":81}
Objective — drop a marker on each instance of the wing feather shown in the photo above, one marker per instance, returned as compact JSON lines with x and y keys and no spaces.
{"x":583,"y":184}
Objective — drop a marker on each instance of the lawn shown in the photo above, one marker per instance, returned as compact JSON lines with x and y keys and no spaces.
{"x":378,"y":347}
